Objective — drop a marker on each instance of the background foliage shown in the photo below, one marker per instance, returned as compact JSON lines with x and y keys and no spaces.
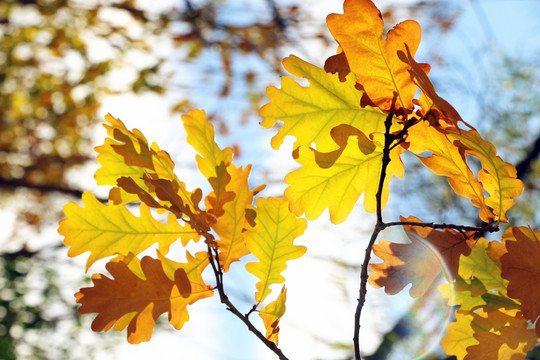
{"x":61,"y":59}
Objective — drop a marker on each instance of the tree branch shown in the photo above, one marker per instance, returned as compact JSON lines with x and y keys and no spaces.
{"x":44,"y":188}
{"x":218,"y":273}
{"x":379,"y":226}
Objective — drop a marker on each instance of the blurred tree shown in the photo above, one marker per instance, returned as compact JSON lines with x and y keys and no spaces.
{"x":59,"y":60}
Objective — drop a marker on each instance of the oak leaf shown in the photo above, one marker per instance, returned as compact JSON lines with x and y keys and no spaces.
{"x":419,"y":76}
{"x":310,"y":113}
{"x":430,"y":255}
{"x":459,"y":335}
{"x":127,"y":154}
{"x":497,"y":177}
{"x":231,"y":226}
{"x":271,"y":242}
{"x":212,"y":160}
{"x":447,"y":160}
{"x":107,"y":230}
{"x":520,"y":268}
{"x":374,"y":59}
{"x":509,"y":343}
{"x":335,"y":180}
{"x":272,"y":313}
{"x":127,"y":300}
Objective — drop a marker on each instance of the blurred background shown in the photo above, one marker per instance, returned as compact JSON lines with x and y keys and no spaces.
{"x":64,"y":64}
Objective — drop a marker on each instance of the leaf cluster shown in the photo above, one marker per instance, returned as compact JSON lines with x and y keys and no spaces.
{"x":371,"y":103}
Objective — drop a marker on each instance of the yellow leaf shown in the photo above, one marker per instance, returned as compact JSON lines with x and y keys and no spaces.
{"x":272,"y":313}
{"x":231,"y":226}
{"x":271,"y":241}
{"x":310,"y":113}
{"x":336,"y":180}
{"x":497,"y":176}
{"x":200,"y":134}
{"x":447,"y":160}
{"x":212,"y":161}
{"x":372,"y":58}
{"x":459,"y":336}
{"x":107,"y":230}
{"x":127,"y":154}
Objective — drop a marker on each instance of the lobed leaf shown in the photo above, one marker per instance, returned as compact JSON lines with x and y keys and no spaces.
{"x":310,"y":113}
{"x":509,"y":342}
{"x":126,"y":154}
{"x":497,"y":177}
{"x":127,"y":300}
{"x":231,"y":227}
{"x":272,"y":313}
{"x":459,"y":335}
{"x":430,"y":255}
{"x":107,"y":230}
{"x":335,"y":180}
{"x":271,"y":242}
{"x":374,"y":59}
{"x":520,"y":269}
{"x":447,"y":160}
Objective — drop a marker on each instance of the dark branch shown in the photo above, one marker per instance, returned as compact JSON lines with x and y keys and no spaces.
{"x":218,"y":273}
{"x":44,"y":188}
{"x":379,"y":226}
{"x":524,"y":166}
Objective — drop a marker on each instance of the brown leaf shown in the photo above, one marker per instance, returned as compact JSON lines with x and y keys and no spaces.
{"x":126,"y":299}
{"x":520,"y":268}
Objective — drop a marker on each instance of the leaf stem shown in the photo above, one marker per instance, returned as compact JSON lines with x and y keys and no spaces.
{"x":218,"y":273}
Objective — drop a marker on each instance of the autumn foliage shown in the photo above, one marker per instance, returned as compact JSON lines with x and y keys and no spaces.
{"x":352,"y":123}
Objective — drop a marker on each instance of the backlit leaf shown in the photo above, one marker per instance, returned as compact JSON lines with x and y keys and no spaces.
{"x":520,"y":268}
{"x":459,"y":335}
{"x":310,"y":113}
{"x":127,"y":300}
{"x":107,"y":230}
{"x":200,"y":134}
{"x":447,"y":160}
{"x":478,"y":265}
{"x":430,"y":254}
{"x":335,"y":180}
{"x":231,"y":227}
{"x":372,"y":58}
{"x":271,"y":241}
{"x":127,"y":154}
{"x":272,"y":313}
{"x":511,"y":342}
{"x":497,"y":177}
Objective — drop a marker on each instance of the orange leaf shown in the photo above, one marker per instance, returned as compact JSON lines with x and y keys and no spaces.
{"x":420,"y":262}
{"x":373,"y":59}
{"x":520,"y":268}
{"x":231,"y":227}
{"x":129,"y":300}
{"x":446,"y":159}
{"x":272,"y":313}
{"x":419,"y":76}
{"x":512,"y":342}
{"x":497,"y":177}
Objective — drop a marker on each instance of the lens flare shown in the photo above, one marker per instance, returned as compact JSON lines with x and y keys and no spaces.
{"x":425,"y":322}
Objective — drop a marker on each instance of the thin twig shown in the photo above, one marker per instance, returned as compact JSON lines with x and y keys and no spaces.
{"x":486,"y":228}
{"x":379,"y":226}
{"x":218,"y":273}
